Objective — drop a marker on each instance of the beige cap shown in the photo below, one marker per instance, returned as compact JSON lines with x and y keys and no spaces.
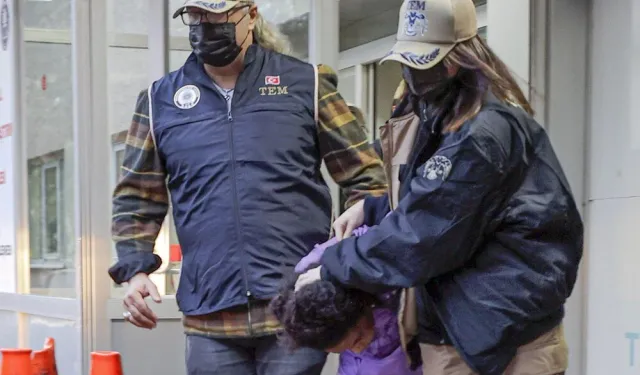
{"x":214,"y":6}
{"x":429,"y":29}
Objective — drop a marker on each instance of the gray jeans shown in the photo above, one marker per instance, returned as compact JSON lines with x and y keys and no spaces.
{"x":249,"y":356}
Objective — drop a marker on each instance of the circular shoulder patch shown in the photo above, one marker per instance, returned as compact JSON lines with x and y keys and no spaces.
{"x":187,"y":97}
{"x":437,"y":167}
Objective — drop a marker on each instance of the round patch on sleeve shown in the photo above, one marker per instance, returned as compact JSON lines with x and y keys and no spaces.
{"x":437,"y":167}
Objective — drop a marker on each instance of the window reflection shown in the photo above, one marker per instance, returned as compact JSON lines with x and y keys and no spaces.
{"x":50,"y":148}
{"x":45,"y":214}
{"x":51,"y":201}
{"x":127,"y":76}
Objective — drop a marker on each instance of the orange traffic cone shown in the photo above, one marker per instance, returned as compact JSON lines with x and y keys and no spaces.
{"x":106,"y":363}
{"x":16,"y":362}
{"x":43,"y":361}
{"x":50,"y":345}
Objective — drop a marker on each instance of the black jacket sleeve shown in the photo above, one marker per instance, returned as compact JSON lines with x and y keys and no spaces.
{"x":438,"y":224}
{"x":375,"y":209}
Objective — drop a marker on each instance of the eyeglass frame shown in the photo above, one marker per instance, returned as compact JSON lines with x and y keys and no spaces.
{"x":205,"y":14}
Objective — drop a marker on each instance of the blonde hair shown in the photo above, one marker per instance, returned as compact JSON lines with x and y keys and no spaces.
{"x":268,"y":35}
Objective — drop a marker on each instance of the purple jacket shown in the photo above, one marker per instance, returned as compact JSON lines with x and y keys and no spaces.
{"x":384,"y":356}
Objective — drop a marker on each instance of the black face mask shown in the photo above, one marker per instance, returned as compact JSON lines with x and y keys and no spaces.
{"x":215,"y":43}
{"x":430,"y":83}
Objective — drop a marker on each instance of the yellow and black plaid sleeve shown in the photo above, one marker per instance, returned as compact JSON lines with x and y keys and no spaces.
{"x":350,"y":158}
{"x":140,"y":200}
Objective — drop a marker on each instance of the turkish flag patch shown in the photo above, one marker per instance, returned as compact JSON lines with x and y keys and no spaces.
{"x":272,"y":80}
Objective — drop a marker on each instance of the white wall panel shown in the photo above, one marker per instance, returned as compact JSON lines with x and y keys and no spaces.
{"x":613,"y":327}
{"x":508,"y":35}
{"x":565,"y":106}
{"x":614,"y":301}
{"x":615,"y":100}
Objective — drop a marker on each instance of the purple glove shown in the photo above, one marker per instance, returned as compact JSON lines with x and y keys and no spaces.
{"x":360,"y":231}
{"x":312,"y":260}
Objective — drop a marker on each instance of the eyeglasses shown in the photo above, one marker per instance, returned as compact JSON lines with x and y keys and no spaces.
{"x":195,"y":17}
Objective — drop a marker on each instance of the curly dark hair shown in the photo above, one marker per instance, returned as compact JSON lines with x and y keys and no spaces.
{"x":319,"y":315}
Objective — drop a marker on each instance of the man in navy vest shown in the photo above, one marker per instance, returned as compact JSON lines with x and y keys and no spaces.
{"x":235,"y":139}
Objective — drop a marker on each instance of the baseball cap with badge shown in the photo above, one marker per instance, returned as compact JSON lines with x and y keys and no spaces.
{"x":219,"y":6}
{"x":429,"y":29}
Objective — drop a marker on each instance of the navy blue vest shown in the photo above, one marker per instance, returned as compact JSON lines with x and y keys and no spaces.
{"x":248,"y":197}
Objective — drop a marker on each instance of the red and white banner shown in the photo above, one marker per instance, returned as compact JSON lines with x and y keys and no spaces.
{"x":7,"y":119}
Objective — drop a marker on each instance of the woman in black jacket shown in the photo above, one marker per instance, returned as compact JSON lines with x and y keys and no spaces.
{"x":479,"y":227}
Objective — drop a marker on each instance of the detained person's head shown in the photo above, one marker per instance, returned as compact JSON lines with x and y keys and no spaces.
{"x":443,"y":57}
{"x":324,"y":316}
{"x":219,"y":31}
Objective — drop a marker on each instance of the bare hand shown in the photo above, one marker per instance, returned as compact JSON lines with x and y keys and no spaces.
{"x":349,"y":220}
{"x":140,"y":287}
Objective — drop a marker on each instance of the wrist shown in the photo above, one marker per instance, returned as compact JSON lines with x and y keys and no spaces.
{"x":138,"y":276}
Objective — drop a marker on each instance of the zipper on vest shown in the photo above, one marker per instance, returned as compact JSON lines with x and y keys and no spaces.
{"x":249,"y":320}
{"x":229,"y":100}
{"x":236,"y":206}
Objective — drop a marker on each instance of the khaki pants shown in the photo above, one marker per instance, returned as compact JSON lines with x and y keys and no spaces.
{"x":547,"y":355}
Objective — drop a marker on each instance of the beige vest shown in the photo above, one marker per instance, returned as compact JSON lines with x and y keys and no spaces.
{"x":396,"y":138}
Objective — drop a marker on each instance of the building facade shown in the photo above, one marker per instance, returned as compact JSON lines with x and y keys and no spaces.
{"x":70,"y":71}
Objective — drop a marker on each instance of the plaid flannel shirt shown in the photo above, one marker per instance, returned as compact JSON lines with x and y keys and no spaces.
{"x":140,"y":200}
